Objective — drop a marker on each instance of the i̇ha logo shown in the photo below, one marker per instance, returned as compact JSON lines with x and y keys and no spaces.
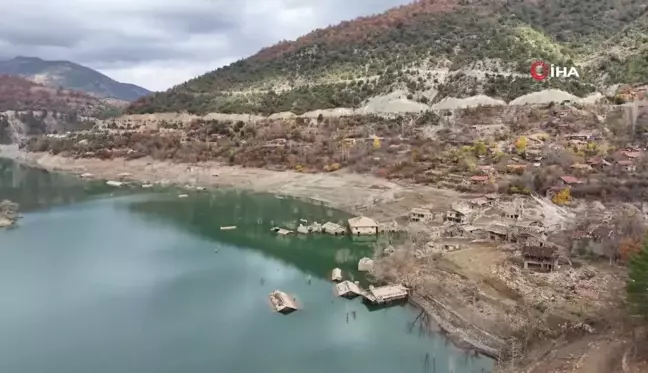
{"x":541,"y":70}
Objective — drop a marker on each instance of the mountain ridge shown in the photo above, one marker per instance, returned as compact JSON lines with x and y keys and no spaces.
{"x":70,"y":75}
{"x":28,"y":109}
{"x":401,"y":49}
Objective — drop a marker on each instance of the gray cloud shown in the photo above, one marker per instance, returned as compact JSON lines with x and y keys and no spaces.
{"x":160,"y":43}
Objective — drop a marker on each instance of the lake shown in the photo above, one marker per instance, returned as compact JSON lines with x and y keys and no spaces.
{"x":104,"y":280}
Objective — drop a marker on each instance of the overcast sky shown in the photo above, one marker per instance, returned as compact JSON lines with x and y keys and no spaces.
{"x":160,"y":43}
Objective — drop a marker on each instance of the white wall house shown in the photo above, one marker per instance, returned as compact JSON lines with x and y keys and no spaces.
{"x":362,"y":225}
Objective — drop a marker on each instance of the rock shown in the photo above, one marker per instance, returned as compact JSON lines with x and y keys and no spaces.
{"x":87,"y":175}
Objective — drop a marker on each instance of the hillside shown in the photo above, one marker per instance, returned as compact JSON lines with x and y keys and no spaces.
{"x":27,"y":108}
{"x":426,"y":51}
{"x":71,"y":76}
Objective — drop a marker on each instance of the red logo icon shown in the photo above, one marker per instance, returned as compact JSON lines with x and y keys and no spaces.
{"x":543,"y":73}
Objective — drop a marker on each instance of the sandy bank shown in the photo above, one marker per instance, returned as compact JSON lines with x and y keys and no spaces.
{"x":350,"y":192}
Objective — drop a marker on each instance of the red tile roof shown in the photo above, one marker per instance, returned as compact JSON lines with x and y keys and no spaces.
{"x":632,"y":154}
{"x":479,"y":178}
{"x":570,"y":180}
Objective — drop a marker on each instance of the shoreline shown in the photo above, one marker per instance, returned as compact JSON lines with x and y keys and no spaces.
{"x":363,"y":194}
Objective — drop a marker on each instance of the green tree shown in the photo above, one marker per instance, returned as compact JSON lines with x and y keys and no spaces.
{"x":637,"y":286}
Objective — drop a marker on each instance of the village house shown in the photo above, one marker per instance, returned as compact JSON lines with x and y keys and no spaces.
{"x":533,"y":155}
{"x":631,"y":154}
{"x":363,"y":225}
{"x":567,"y":181}
{"x":332,"y":229}
{"x":420,"y":214}
{"x":626,"y":165}
{"x":511,"y":213}
{"x":458,"y":214}
{"x":480,"y":202}
{"x":497,"y":232}
{"x":539,"y":258}
{"x":598,"y":163}
{"x":388,"y":227}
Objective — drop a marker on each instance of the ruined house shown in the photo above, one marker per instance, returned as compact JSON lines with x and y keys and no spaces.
{"x":332,"y":228}
{"x":533,"y":155}
{"x":626,"y":165}
{"x":498,"y":232}
{"x":388,"y":227}
{"x":420,"y":214}
{"x":598,"y":163}
{"x":539,"y":258}
{"x":459,"y":213}
{"x":480,"y":203}
{"x":511,"y":213}
{"x":475,"y":233}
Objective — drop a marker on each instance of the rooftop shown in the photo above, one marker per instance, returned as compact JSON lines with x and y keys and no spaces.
{"x":544,"y":252}
{"x":388,"y":291}
{"x":632,"y":154}
{"x":362,"y":221}
{"x":461,"y":208}
{"x":570,"y":179}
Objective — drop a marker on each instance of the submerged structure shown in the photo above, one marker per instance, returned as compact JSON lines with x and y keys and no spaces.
{"x":385,"y":294}
{"x":336,"y":274}
{"x":282,"y":302}
{"x":348,"y":289}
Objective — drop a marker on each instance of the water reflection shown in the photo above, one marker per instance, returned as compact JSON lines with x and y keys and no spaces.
{"x":254,"y":215}
{"x":36,"y":189}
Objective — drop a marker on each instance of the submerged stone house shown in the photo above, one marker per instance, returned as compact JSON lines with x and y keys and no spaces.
{"x":363,"y":225}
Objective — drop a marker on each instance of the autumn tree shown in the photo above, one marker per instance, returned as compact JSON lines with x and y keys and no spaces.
{"x":480,"y":148}
{"x":521,"y":144}
{"x":628,"y":247}
{"x":562,"y":198}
